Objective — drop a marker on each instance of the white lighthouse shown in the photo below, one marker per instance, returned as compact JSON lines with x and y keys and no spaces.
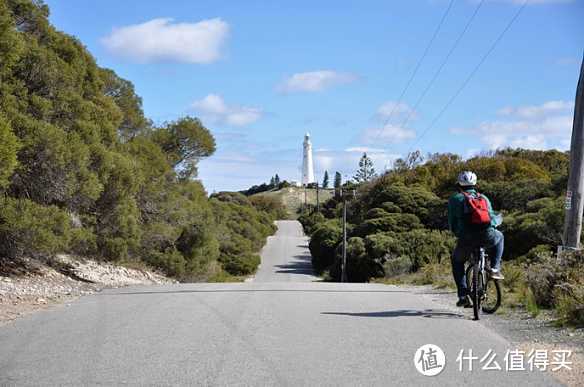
{"x":307,"y":165}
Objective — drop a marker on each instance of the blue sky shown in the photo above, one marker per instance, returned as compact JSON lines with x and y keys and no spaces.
{"x":262,"y":73}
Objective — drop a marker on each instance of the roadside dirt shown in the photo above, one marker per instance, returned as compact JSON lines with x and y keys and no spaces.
{"x":525,"y":333}
{"x":30,"y":285}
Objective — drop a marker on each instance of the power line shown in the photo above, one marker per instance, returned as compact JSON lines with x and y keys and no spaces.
{"x":416,"y":68}
{"x":431,"y":83}
{"x":471,"y":75}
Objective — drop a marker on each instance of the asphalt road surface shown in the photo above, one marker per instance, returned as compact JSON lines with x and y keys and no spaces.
{"x":279,"y":329}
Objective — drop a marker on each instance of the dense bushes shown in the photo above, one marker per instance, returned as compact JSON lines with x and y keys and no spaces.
{"x":27,"y":228}
{"x":323,"y":245}
{"x":82,"y":170}
{"x":241,"y":232}
{"x":559,"y":284}
{"x":398,"y":223}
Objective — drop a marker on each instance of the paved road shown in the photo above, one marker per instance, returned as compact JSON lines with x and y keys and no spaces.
{"x":286,"y":258}
{"x":288,"y":333}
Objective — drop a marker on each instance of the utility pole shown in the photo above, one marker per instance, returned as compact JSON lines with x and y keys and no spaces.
{"x":574,"y":203}
{"x":317,"y":198}
{"x":305,"y":204}
{"x":344,"y":261}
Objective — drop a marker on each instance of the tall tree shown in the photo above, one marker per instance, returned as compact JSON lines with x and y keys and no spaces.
{"x":9,"y":146}
{"x":272,"y":181}
{"x":325,"y":180}
{"x":122,"y":92}
{"x":277,"y":179}
{"x":366,"y":171}
{"x":185,"y":142}
{"x":337,"y":183}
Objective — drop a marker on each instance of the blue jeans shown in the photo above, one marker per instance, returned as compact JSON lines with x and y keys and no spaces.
{"x":493,"y":241}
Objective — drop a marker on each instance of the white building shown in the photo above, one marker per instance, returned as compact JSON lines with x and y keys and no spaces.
{"x":307,"y":164}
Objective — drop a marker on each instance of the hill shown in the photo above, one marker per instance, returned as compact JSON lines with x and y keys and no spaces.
{"x":294,"y":198}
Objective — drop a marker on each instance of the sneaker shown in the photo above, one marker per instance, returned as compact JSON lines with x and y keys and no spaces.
{"x":496,"y":274}
{"x":464,"y":302}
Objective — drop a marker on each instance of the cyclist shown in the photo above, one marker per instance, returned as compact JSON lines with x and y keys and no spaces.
{"x":471,"y":235}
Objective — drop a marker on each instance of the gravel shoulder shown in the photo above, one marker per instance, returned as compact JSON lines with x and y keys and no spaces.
{"x":523,"y":331}
{"x":30,"y":285}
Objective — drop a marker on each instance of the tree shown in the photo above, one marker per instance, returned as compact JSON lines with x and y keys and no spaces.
{"x":272,"y":181}
{"x":338,"y":182}
{"x":122,"y":91}
{"x":413,"y":159}
{"x":277,"y":180}
{"x":366,"y":171}
{"x":185,"y":141}
{"x":325,"y":180}
{"x":82,"y":171}
{"x":9,"y":146}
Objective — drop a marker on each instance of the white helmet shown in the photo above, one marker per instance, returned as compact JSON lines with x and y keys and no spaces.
{"x":467,"y":178}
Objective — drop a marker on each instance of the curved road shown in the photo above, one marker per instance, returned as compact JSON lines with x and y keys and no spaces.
{"x":279,"y":329}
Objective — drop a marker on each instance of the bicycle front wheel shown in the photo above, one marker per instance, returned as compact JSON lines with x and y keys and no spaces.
{"x":492,"y":296}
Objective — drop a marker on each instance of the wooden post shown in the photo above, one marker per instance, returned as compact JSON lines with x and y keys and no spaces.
{"x":344,"y":262}
{"x":317,"y":199}
{"x":574,"y":203}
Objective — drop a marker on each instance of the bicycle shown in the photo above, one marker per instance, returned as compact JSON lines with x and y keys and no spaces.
{"x":483,"y":289}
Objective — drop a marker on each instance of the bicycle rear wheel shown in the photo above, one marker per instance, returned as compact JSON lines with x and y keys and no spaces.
{"x":476,"y":291}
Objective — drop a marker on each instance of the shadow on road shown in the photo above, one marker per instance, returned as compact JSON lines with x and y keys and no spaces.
{"x":301,"y":265}
{"x":247,"y":291}
{"x":428,"y":313}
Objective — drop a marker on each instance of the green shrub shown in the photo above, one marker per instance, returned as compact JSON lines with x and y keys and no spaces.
{"x":311,"y":221}
{"x":240,"y":264}
{"x":427,"y":246}
{"x":541,"y":279}
{"x":514,"y":277}
{"x":27,"y":228}
{"x":9,"y":146}
{"x":391,"y":207}
{"x":531,"y":303}
{"x":171,"y":262}
{"x":323,"y":244}
{"x":397,"y":266}
{"x":570,"y":307}
{"x":377,"y":213}
{"x":83,"y":241}
{"x":389,"y":223}
{"x":360,"y":266}
{"x":270,"y":205}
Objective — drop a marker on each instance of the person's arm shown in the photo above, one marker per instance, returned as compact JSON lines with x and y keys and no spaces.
{"x":492,"y":213}
{"x":452,"y":218}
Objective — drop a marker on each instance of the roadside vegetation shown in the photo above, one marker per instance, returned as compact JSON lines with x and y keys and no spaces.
{"x":398,"y":232}
{"x":83,"y":171}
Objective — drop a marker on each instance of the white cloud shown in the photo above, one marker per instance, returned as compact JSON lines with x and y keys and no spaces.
{"x":162,"y":40}
{"x":535,"y":141}
{"x":214,"y":108}
{"x":385,"y":132}
{"x":389,"y":134}
{"x":542,"y":126}
{"x":535,"y":111}
{"x":392,"y":109}
{"x":314,"y":81}
{"x":568,"y":61}
{"x":363,"y":149}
